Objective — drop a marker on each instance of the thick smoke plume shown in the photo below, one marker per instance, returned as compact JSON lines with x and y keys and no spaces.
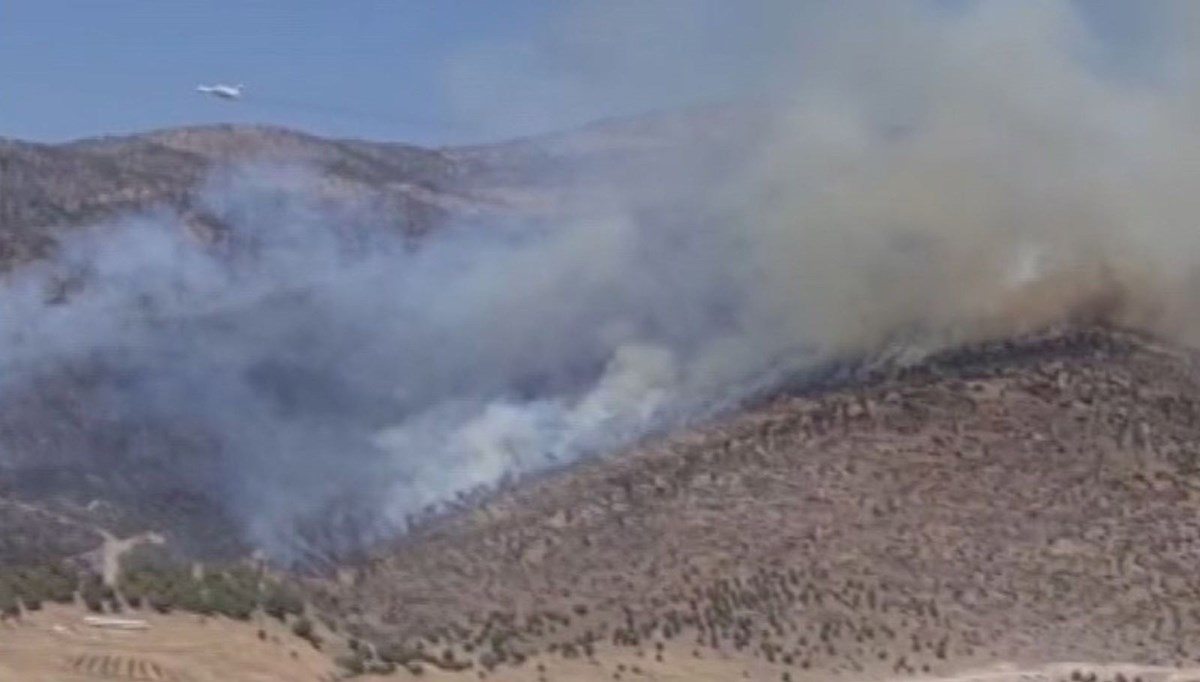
{"x":927,"y":172}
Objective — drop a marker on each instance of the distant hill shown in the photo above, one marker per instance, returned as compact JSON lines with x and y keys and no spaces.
{"x":46,"y":188}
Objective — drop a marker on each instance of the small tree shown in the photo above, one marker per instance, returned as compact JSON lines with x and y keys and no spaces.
{"x":92,"y":592}
{"x":303,"y":628}
{"x":353,"y":664}
{"x":279,"y":601}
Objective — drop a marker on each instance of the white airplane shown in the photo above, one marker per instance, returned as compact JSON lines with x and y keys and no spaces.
{"x":222,"y":91}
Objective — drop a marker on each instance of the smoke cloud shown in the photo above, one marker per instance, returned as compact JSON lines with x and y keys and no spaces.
{"x":933,"y":172}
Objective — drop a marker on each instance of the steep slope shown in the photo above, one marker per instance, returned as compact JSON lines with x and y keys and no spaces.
{"x":1032,"y":501}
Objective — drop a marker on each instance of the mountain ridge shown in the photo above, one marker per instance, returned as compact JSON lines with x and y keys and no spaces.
{"x":47,"y":189}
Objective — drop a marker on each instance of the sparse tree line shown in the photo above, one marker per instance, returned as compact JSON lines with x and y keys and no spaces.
{"x":28,"y":587}
{"x":151,"y":579}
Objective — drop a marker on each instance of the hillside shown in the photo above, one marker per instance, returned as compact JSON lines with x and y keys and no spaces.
{"x":1027,"y":501}
{"x":1016,"y":508}
{"x":1032,"y":501}
{"x":46,"y":188}
{"x":72,"y":455}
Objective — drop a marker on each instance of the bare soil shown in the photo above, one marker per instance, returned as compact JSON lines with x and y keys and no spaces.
{"x":55,"y":645}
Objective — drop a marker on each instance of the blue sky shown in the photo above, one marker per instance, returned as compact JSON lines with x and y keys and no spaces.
{"x":392,"y":69}
{"x":367,"y":67}
{"x":426,"y":71}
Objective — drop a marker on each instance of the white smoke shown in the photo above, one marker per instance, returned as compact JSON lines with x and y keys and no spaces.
{"x":960,"y":171}
{"x":505,"y":438}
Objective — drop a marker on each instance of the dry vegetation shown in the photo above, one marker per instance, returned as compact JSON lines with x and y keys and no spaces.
{"x":1032,"y":501}
{"x":89,"y":463}
{"x":68,"y":464}
{"x":54,"y":645}
{"x":45,"y":189}
{"x":68,"y":460}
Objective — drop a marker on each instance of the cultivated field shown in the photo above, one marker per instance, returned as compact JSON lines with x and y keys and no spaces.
{"x":55,"y":645}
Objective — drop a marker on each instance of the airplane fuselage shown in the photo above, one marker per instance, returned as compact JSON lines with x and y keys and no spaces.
{"x":222,"y":91}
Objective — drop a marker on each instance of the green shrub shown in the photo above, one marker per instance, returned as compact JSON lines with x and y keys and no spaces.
{"x":230,"y":595}
{"x":396,"y":654}
{"x":92,"y":591}
{"x":302,"y":628}
{"x":9,"y":607}
{"x":352,"y":664}
{"x":278,"y":601}
{"x":381,"y":667}
{"x":48,"y":582}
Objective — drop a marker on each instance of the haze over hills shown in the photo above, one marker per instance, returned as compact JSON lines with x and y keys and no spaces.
{"x":169,"y":207}
{"x":1029,"y":499}
{"x":777,"y":394}
{"x":48,"y":187}
{"x":893,"y":377}
{"x":45,"y":188}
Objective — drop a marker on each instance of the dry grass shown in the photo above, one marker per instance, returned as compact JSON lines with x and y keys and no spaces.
{"x":1030,"y":502}
{"x":55,"y":646}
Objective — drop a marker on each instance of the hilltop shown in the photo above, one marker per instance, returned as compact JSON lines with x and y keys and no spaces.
{"x":48,"y":188}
